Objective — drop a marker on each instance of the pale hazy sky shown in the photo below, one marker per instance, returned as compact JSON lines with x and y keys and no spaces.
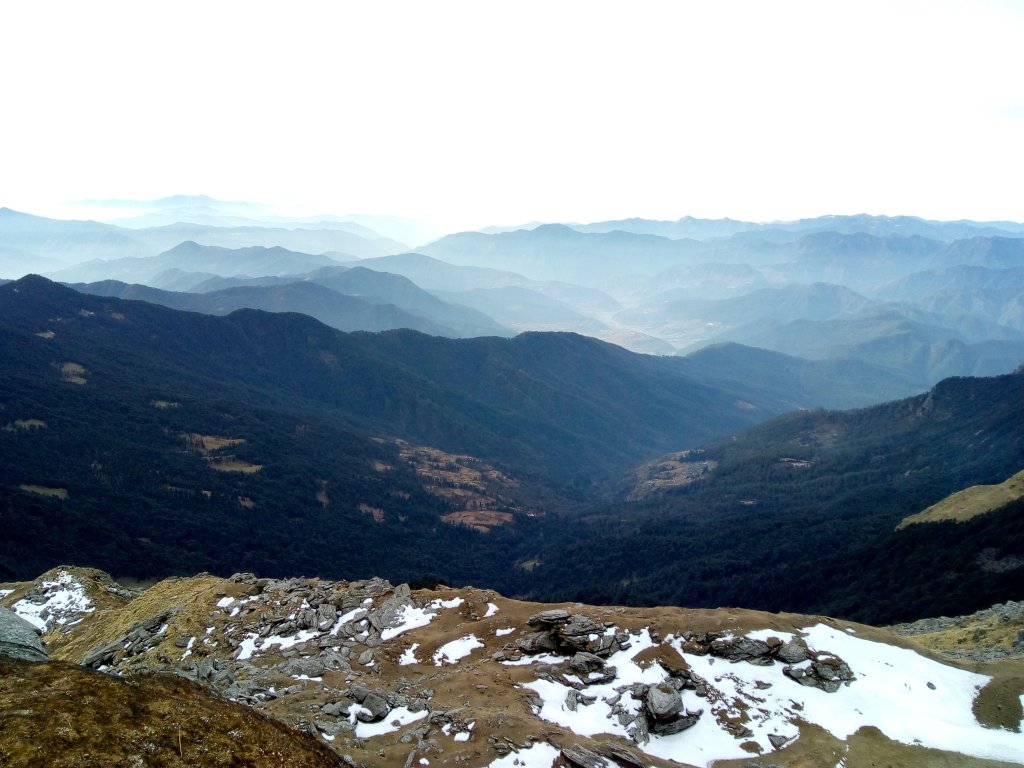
{"x":471,"y":113}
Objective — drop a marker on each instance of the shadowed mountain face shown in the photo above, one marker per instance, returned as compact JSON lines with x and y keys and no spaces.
{"x":273,"y":413}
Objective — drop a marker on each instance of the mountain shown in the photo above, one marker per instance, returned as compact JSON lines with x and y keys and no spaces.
{"x":922,"y":352}
{"x":74,"y":242}
{"x":881,"y":226}
{"x":63,"y":241}
{"x":799,"y":513}
{"x":346,"y":313}
{"x":557,"y":252}
{"x":433,"y":274}
{"x":367,"y":673}
{"x":190,"y":256}
{"x":305,"y":239}
{"x":402,"y":292}
{"x":123,"y":415}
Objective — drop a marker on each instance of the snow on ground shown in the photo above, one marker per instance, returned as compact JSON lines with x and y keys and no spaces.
{"x":409,"y":656}
{"x":491,"y":610}
{"x":224,"y":602}
{"x":5,"y":592}
{"x":251,"y":644}
{"x":595,"y":718}
{"x":345,"y":618}
{"x":891,"y":692}
{"x":397,"y":718}
{"x":414,"y":618}
{"x":540,"y":755}
{"x":411,"y":618}
{"x":63,"y":599}
{"x":455,"y":602}
{"x":188,"y":648}
{"x":505,"y":631}
{"x":451,"y":653}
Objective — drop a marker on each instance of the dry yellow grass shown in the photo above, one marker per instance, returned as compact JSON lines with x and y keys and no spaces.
{"x":970,"y":502}
{"x":42,"y":490}
{"x":60,"y":716}
{"x":233,"y":464}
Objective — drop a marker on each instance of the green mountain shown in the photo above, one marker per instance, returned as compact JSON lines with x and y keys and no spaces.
{"x":107,"y":406}
{"x":150,"y":441}
{"x":799,"y":514}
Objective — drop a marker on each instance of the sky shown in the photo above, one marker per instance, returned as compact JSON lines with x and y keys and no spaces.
{"x":474,"y":113}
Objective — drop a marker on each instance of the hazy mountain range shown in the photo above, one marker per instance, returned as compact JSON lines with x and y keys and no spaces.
{"x":921,"y":298}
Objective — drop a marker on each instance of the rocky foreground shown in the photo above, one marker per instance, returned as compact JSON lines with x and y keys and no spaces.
{"x":307,"y":671}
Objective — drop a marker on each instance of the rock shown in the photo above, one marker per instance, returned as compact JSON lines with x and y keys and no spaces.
{"x":827,"y":673}
{"x":548,"y":618}
{"x":311,"y":667}
{"x":103,"y":654}
{"x":638,"y":730}
{"x":537,"y":642}
{"x":663,"y":702}
{"x":333,"y":709}
{"x":181,"y":641}
{"x":678,"y":725}
{"x":740,"y":649}
{"x":326,"y":614}
{"x":584,"y":662}
{"x":777,"y":741}
{"x":366,"y":657}
{"x":622,"y":755}
{"x":18,"y":638}
{"x":571,"y":699}
{"x":581,"y":757}
{"x":377,"y":706}
{"x":792,"y":652}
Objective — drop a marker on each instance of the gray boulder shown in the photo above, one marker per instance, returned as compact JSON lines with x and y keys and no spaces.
{"x":663,"y":702}
{"x":18,"y":638}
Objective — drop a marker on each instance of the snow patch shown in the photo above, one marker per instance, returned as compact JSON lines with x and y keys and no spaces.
{"x":538,"y":756}
{"x":491,"y":610}
{"x":397,"y":718}
{"x":224,"y":602}
{"x":503,"y":632}
{"x":451,"y":653}
{"x":251,"y":644}
{"x":61,"y":600}
{"x":409,"y":656}
{"x":5,"y":592}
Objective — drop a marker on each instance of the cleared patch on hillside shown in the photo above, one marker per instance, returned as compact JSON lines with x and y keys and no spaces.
{"x":24,"y":425}
{"x":42,"y":490}
{"x":72,"y":373}
{"x":46,"y":335}
{"x":212,"y":447}
{"x":478,"y":495}
{"x":671,"y":471}
{"x":163,"y":405}
{"x":375,"y":512}
{"x":970,"y":502}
